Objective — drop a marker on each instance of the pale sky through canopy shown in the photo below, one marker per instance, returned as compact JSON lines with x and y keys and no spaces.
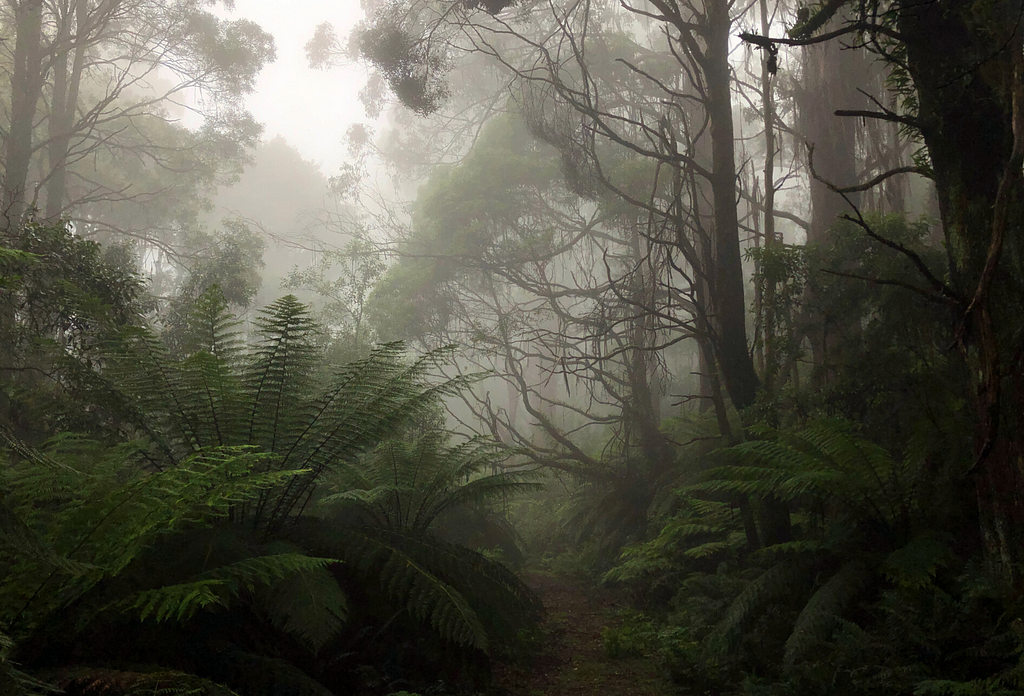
{"x":312,"y":109}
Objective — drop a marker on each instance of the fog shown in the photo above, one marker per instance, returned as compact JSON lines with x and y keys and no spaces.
{"x":507,"y":348}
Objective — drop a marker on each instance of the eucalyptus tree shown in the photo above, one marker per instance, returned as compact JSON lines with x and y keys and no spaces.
{"x":108,"y":79}
{"x":957,"y":71}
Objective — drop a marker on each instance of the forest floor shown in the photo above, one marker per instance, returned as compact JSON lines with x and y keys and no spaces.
{"x":573,"y":660}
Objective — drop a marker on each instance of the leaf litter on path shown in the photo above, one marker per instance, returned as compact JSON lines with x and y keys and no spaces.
{"x":573,"y":660}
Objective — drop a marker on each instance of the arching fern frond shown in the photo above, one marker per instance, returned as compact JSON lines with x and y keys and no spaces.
{"x":408,"y":485}
{"x":219,"y":586}
{"x":309,"y":605}
{"x":822,"y":612}
{"x":823,"y":461}
{"x":467,"y":598}
{"x":775,"y":583}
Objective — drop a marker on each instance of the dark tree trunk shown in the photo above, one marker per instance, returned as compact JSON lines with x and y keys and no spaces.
{"x":966,"y":87}
{"x":26,"y":88}
{"x":728,"y":303}
{"x":829,"y":83}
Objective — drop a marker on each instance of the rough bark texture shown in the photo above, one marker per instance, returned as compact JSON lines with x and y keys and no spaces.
{"x":966,"y":66}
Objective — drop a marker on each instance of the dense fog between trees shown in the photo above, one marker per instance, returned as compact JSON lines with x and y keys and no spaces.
{"x":669,"y":346}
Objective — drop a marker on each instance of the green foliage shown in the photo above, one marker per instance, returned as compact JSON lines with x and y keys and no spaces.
{"x":86,"y":681}
{"x":825,"y":461}
{"x":409,"y":484}
{"x":220,"y":585}
{"x":61,"y":296}
{"x":189,"y":523}
{"x":467,"y":598}
{"x":309,"y":605}
{"x":272,"y":394}
{"x":343,"y":281}
{"x":825,"y":608}
{"x":634,"y":637}
{"x":100,"y":510}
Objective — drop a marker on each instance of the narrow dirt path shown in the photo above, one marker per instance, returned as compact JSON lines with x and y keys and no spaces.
{"x":573,"y":661}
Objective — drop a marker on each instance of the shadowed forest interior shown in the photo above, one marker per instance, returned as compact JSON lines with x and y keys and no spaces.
{"x":641,"y":348}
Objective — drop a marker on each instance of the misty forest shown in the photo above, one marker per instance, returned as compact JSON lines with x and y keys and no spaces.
{"x":630,"y":347}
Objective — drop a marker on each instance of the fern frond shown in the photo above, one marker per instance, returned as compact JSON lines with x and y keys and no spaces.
{"x":789,"y":549}
{"x":914,"y":565}
{"x":219,"y":586}
{"x":309,"y":605}
{"x":410,"y":484}
{"x":454,"y":589}
{"x":824,"y":461}
{"x":96,"y":681}
{"x":15,"y":682}
{"x":992,"y":686}
{"x":17,"y":538}
{"x":280,"y":375}
{"x":775,"y":583}
{"x":819,"y":616}
{"x":711,"y":548}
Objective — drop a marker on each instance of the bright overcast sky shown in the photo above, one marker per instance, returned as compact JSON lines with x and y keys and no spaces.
{"x":311,"y":108}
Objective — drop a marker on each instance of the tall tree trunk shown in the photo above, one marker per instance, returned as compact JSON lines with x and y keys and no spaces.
{"x":728,"y":300}
{"x":26,"y":88}
{"x":64,"y":104}
{"x":830,"y":82}
{"x":971,"y":110}
{"x":831,"y":76}
{"x":772,"y":367}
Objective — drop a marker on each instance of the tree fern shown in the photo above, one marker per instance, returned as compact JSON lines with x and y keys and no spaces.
{"x":235,"y":438}
{"x":408,"y":485}
{"x":271,"y":395}
{"x":821,"y":461}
